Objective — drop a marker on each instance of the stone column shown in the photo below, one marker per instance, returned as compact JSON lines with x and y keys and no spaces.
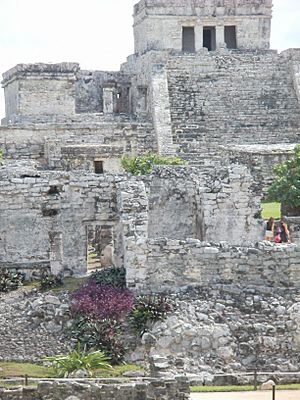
{"x":133,"y":208}
{"x":56,"y":252}
{"x":161,"y":111}
{"x":220,"y":36}
{"x":198,"y":37}
{"x":108,"y":99}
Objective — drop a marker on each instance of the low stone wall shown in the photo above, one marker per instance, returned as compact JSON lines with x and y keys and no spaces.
{"x":149,"y":389}
{"x":163,"y":265}
{"x":294,"y":228}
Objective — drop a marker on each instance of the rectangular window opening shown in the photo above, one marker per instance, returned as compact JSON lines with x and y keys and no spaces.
{"x":209,"y":37}
{"x":188,"y":39}
{"x":98,"y":165}
{"x":230,"y":37}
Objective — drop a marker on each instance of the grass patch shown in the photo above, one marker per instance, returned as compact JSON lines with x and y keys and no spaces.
{"x":118,"y":371}
{"x":14,"y":370}
{"x":70,"y":284}
{"x":208,"y":389}
{"x":270,"y":210}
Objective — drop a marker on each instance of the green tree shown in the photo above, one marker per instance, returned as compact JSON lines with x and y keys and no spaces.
{"x":142,"y":165}
{"x":286,"y":187}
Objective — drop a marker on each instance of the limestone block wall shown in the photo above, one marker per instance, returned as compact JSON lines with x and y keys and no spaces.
{"x":84,"y":157}
{"x":294,"y":228}
{"x":149,"y":389}
{"x":174,"y":207}
{"x":39,"y":89}
{"x":189,"y":263}
{"x":45,"y":218}
{"x":158,"y":24}
{"x":48,"y":143}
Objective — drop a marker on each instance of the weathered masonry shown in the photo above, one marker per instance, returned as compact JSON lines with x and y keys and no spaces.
{"x":191,"y":25}
{"x":202,"y":84}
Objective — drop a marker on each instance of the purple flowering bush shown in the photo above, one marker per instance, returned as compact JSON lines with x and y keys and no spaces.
{"x":102,"y":310}
{"x":99,"y":312}
{"x":102,"y":302}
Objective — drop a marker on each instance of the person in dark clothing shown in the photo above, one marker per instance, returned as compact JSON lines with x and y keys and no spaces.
{"x":285,"y":233}
{"x":269,"y":235}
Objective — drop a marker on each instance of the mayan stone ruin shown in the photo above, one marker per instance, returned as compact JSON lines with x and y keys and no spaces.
{"x":202,"y":84}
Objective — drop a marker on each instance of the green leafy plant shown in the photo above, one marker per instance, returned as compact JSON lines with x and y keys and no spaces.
{"x":78,"y":360}
{"x":147,"y":310}
{"x":10,"y":280}
{"x":49,"y":281}
{"x":112,"y":276}
{"x":1,"y":156}
{"x":142,"y":165}
{"x":104,"y":334}
{"x":286,"y":187}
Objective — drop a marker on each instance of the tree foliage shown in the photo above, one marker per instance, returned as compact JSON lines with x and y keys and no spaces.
{"x":286,"y":187}
{"x":142,"y":165}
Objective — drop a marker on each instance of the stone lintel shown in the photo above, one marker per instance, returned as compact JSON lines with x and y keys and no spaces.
{"x":261,"y":8}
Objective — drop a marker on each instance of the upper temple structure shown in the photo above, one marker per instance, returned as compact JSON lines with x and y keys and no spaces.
{"x":191,"y":25}
{"x":202,"y":84}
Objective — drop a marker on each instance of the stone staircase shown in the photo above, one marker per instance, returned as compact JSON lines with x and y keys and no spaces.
{"x":231,"y":98}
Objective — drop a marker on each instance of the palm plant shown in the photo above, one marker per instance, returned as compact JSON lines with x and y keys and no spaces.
{"x":78,"y":359}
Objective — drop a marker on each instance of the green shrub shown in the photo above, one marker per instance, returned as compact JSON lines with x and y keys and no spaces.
{"x":286,"y":187}
{"x":49,"y":281}
{"x":147,"y":310}
{"x":112,"y":276}
{"x":10,"y":280}
{"x":105,"y":335}
{"x":142,"y":165}
{"x":78,"y":360}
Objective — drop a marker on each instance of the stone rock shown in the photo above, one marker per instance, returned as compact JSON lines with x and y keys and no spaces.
{"x":52,"y":300}
{"x":72,"y":398}
{"x":81,"y":373}
{"x":267,"y":385}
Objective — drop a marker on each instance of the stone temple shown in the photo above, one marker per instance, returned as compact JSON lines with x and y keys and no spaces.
{"x":202,"y":84}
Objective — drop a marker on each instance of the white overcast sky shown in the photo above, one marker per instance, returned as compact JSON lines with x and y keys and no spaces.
{"x":95,"y":33}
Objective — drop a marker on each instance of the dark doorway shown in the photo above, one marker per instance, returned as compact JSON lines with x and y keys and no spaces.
{"x":209,"y":37}
{"x":98,"y":165}
{"x":230,"y":37}
{"x":188,"y":39}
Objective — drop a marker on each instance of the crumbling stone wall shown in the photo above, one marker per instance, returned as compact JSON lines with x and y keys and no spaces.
{"x":33,"y":325}
{"x":149,"y":389}
{"x":89,"y":91}
{"x":260,"y":160}
{"x":231,"y":329}
{"x":45,"y":217}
